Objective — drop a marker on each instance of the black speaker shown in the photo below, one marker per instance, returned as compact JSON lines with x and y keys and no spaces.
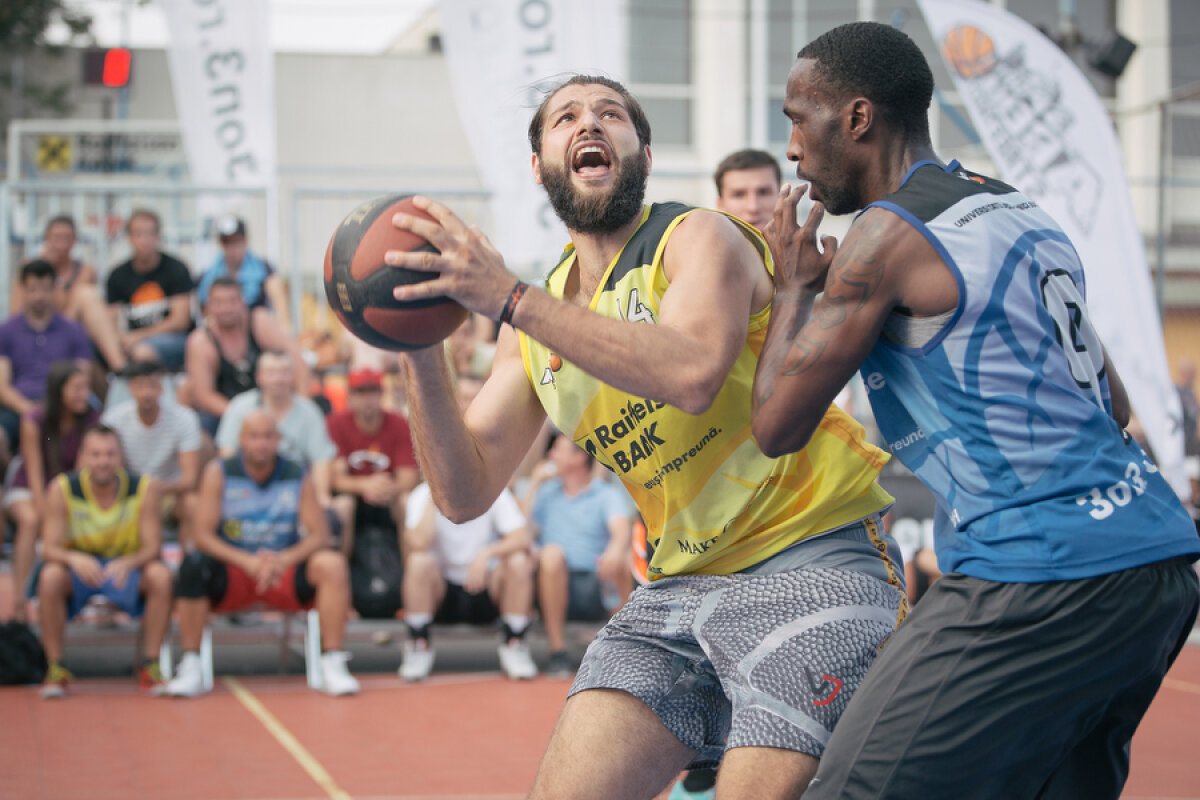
{"x":1111,"y":55}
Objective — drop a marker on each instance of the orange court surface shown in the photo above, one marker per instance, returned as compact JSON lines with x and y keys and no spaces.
{"x":467,"y":733}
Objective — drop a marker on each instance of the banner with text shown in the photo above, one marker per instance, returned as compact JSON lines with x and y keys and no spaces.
{"x":1046,"y":129}
{"x":223,"y":74}
{"x":502,"y":55}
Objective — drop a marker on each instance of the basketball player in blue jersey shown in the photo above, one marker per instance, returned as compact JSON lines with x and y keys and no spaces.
{"x":1069,"y":588}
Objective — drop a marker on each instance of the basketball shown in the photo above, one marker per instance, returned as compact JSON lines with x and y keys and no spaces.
{"x":358,"y":284}
{"x":971,"y":51}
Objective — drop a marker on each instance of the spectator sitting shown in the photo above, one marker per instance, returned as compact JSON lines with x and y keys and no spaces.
{"x":160,"y":441}
{"x":303,"y":437}
{"x":583,"y":525}
{"x":76,"y":295}
{"x":261,"y":537}
{"x":29,"y":343}
{"x":374,"y":472}
{"x":222,"y":357}
{"x":261,"y":286}
{"x":101,"y":536}
{"x":153,"y":292}
{"x":471,"y":572}
{"x":50,"y":439}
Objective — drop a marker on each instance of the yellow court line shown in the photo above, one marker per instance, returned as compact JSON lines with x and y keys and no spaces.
{"x":1183,"y":686}
{"x":288,"y":741}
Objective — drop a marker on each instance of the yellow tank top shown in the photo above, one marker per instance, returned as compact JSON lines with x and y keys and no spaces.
{"x":711,"y":501}
{"x":103,"y":532}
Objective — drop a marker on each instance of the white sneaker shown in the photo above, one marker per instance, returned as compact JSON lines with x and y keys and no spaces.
{"x":418,"y":660}
{"x":189,"y":679}
{"x":516,"y":661}
{"x":335,"y":678}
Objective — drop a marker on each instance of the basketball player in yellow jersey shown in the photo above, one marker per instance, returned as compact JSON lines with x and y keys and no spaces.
{"x":773,"y":586}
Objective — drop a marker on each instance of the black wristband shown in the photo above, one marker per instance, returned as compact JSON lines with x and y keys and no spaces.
{"x":510,"y":305}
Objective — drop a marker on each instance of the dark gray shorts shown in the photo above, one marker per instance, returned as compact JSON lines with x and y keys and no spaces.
{"x":1012,"y":691}
{"x":768,"y":657}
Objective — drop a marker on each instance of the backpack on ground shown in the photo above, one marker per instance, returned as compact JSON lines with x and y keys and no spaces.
{"x":22,"y":659}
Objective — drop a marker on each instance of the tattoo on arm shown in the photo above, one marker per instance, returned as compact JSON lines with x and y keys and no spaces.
{"x":856,"y":280}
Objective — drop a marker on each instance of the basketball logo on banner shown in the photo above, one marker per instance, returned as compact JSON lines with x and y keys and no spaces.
{"x":970,"y":51}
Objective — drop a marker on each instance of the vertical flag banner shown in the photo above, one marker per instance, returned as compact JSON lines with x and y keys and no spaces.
{"x":502,"y":54}
{"x":223,"y":74}
{"x":1050,"y":137}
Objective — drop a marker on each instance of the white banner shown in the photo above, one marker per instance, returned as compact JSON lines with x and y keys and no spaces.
{"x":223,"y":74}
{"x":1050,"y":137}
{"x":501,"y":54}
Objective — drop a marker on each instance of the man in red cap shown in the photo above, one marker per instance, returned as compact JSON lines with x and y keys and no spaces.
{"x":374,"y":471}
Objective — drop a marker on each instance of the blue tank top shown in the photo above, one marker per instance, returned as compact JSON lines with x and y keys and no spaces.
{"x":258,"y":516}
{"x":1005,"y":413}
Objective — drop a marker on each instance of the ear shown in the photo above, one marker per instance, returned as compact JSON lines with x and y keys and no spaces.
{"x":649,"y":159}
{"x":537,"y":169}
{"x":860,"y":117}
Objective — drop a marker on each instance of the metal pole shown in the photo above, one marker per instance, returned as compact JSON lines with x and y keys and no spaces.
{"x":1160,"y":276}
{"x":758,"y":73}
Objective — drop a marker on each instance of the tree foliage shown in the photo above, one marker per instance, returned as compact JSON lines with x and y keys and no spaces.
{"x":23,"y":28}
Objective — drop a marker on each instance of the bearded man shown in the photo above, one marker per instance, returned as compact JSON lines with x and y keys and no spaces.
{"x":772,"y":585}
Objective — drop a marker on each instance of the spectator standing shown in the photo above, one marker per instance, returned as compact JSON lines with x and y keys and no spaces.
{"x":222,"y":358}
{"x":101,"y":535}
{"x":261,"y":286}
{"x":152,"y":292}
{"x":261,"y":537}
{"x":29,"y":343}
{"x":160,"y":441}
{"x":747,"y":185}
{"x":50,"y":439}
{"x":303,"y":437}
{"x":582,"y":525}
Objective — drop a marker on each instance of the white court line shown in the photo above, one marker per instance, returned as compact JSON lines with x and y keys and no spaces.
{"x":288,"y":742}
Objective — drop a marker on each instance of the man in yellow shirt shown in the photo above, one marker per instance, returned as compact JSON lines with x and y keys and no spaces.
{"x":101,"y":535}
{"x":772,"y":584}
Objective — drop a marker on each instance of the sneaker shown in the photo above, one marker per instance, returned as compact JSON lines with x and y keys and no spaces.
{"x":335,"y":678}
{"x":189,"y":682}
{"x":150,"y":679}
{"x":418,"y":660}
{"x":559,"y":666}
{"x":516,"y":661}
{"x":55,"y":683}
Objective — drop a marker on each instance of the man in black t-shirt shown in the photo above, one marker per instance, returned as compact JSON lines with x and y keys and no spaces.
{"x":152,"y":293}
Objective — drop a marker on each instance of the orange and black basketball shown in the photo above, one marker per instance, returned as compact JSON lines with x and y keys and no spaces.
{"x":358,"y":285}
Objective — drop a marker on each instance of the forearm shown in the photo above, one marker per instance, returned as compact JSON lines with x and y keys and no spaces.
{"x":322,"y":480}
{"x":11,"y":398}
{"x":656,"y":362}
{"x":212,"y":545}
{"x":777,"y":427}
{"x":303,"y":549}
{"x":56,"y":553}
{"x":463,"y":486}
{"x":210,"y":400}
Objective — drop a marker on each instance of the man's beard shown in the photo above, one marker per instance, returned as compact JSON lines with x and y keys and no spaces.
{"x":838,"y":200}
{"x":597,"y":212}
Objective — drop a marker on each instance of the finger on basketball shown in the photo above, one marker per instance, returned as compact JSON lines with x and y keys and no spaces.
{"x":420,"y":291}
{"x":445,"y":217}
{"x":428,"y":230}
{"x":419,"y":260}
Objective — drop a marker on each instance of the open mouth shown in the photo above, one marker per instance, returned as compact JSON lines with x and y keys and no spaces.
{"x":591,"y":160}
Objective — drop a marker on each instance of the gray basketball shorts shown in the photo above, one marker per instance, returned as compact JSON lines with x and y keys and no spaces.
{"x":768,"y":657}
